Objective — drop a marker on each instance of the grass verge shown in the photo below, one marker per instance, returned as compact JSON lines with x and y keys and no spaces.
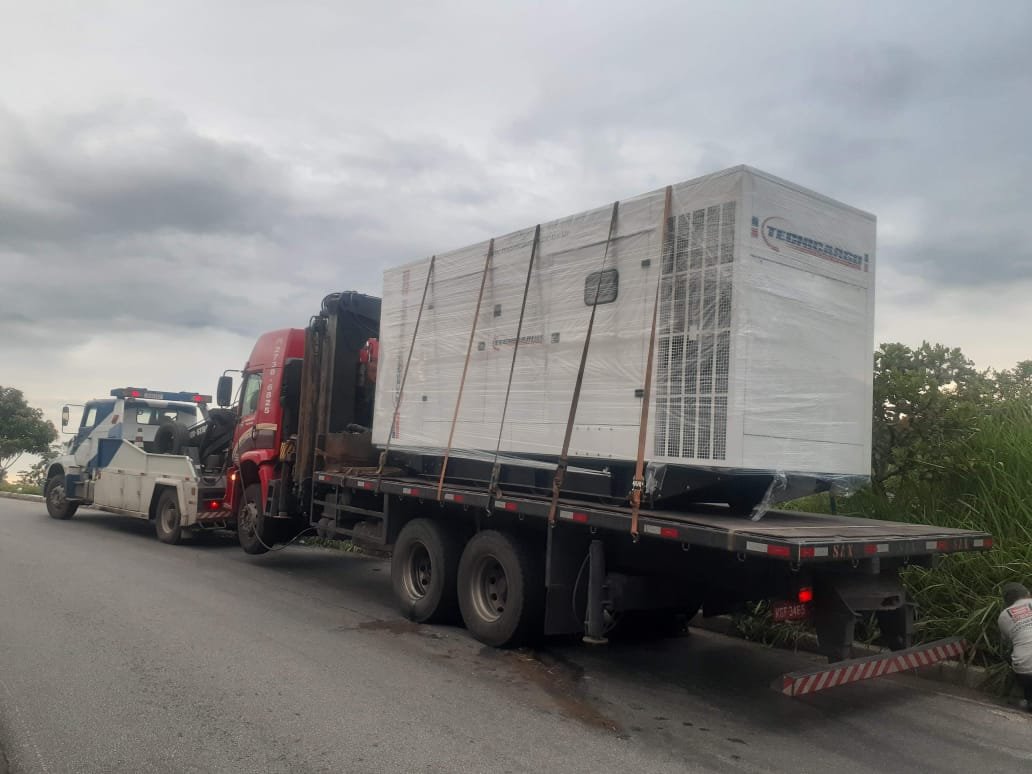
{"x":983,"y":483}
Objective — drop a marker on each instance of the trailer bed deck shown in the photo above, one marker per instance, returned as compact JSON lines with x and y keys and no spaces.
{"x":782,"y":535}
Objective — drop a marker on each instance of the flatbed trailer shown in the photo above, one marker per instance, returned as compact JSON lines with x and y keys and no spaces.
{"x":599,"y":565}
{"x":499,"y":554}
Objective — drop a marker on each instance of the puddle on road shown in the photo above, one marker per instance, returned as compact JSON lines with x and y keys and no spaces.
{"x":397,"y":626}
{"x":561,"y":680}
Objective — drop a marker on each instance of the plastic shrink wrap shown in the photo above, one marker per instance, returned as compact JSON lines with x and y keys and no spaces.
{"x":764,"y":299}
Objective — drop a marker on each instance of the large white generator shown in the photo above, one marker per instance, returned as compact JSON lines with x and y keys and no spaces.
{"x":764,"y":340}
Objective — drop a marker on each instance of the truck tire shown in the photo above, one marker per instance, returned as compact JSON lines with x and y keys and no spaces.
{"x":251,"y":522}
{"x":171,"y":438}
{"x":218,"y":434}
{"x":168,"y":519}
{"x":58,"y":504}
{"x":501,"y":589}
{"x":424,"y":568}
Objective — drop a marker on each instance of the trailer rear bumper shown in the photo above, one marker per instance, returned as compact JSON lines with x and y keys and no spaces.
{"x":867,"y":668}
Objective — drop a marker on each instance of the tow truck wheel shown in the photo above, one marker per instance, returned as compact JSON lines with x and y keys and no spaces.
{"x":251,"y":522}
{"x":58,"y":505}
{"x":501,"y":589}
{"x":168,"y":519}
{"x":424,"y":566}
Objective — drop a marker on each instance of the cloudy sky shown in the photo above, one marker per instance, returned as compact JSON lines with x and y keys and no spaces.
{"x":178,"y":177}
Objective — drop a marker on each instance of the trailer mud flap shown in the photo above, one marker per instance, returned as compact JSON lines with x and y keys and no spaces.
{"x":869,"y":667}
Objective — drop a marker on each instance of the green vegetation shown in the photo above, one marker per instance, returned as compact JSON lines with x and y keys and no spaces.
{"x":20,"y":488}
{"x":986,"y":485}
{"x":22,"y":429}
{"x":36,"y":476}
{"x":337,"y":545}
{"x":953,"y":448}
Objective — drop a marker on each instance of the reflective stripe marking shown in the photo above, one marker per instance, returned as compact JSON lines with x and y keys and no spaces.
{"x":883,"y":548}
{"x":577,"y":516}
{"x":931,"y":545}
{"x":758,"y":547}
{"x":820,"y":551}
{"x":651,"y":529}
{"x":798,"y":684}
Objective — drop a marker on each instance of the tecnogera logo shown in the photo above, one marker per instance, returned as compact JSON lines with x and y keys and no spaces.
{"x":778,"y":232}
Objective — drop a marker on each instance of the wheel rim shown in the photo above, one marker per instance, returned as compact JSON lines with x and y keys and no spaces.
{"x":169,"y":516}
{"x":490,"y":589}
{"x":249,"y":518}
{"x":57,"y":496}
{"x":418,"y":572}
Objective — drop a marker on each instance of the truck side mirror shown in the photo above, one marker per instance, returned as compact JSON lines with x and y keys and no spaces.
{"x":224,"y":393}
{"x":64,"y":417}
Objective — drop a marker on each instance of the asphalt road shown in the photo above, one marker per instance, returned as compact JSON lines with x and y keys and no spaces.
{"x":121,"y":654}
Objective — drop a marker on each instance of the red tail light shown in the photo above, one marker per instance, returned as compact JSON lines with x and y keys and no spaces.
{"x":805,"y":595}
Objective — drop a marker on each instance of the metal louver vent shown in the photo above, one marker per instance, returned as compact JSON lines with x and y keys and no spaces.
{"x":694,"y":347}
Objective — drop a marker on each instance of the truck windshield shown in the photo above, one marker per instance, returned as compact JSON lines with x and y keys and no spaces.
{"x":252,"y":389}
{"x":153,"y":415}
{"x":95,"y":413}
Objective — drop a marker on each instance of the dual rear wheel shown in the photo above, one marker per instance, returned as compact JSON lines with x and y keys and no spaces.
{"x":495,"y":582}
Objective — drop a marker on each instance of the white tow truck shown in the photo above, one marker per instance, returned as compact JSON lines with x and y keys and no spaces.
{"x":148,"y":454}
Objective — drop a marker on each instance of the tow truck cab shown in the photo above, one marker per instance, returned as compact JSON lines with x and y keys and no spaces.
{"x":135,"y":414}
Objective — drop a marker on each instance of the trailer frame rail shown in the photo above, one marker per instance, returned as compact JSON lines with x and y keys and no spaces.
{"x":799,"y":538}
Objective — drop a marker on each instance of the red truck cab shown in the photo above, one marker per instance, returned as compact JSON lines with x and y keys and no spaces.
{"x":265,"y":418}
{"x":301,"y":390}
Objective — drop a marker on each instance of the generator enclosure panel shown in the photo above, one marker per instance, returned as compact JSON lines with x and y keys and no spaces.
{"x":764,"y":296}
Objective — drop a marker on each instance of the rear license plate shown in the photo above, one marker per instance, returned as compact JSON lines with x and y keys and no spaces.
{"x":788,"y":611}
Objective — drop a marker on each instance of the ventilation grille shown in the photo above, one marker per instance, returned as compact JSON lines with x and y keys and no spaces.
{"x":694,"y":350}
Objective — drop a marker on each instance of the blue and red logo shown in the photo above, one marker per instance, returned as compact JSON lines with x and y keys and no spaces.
{"x":778,"y":232}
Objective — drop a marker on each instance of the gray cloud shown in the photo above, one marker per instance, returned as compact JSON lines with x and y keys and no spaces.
{"x":129,"y":169}
{"x":128,"y":218}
